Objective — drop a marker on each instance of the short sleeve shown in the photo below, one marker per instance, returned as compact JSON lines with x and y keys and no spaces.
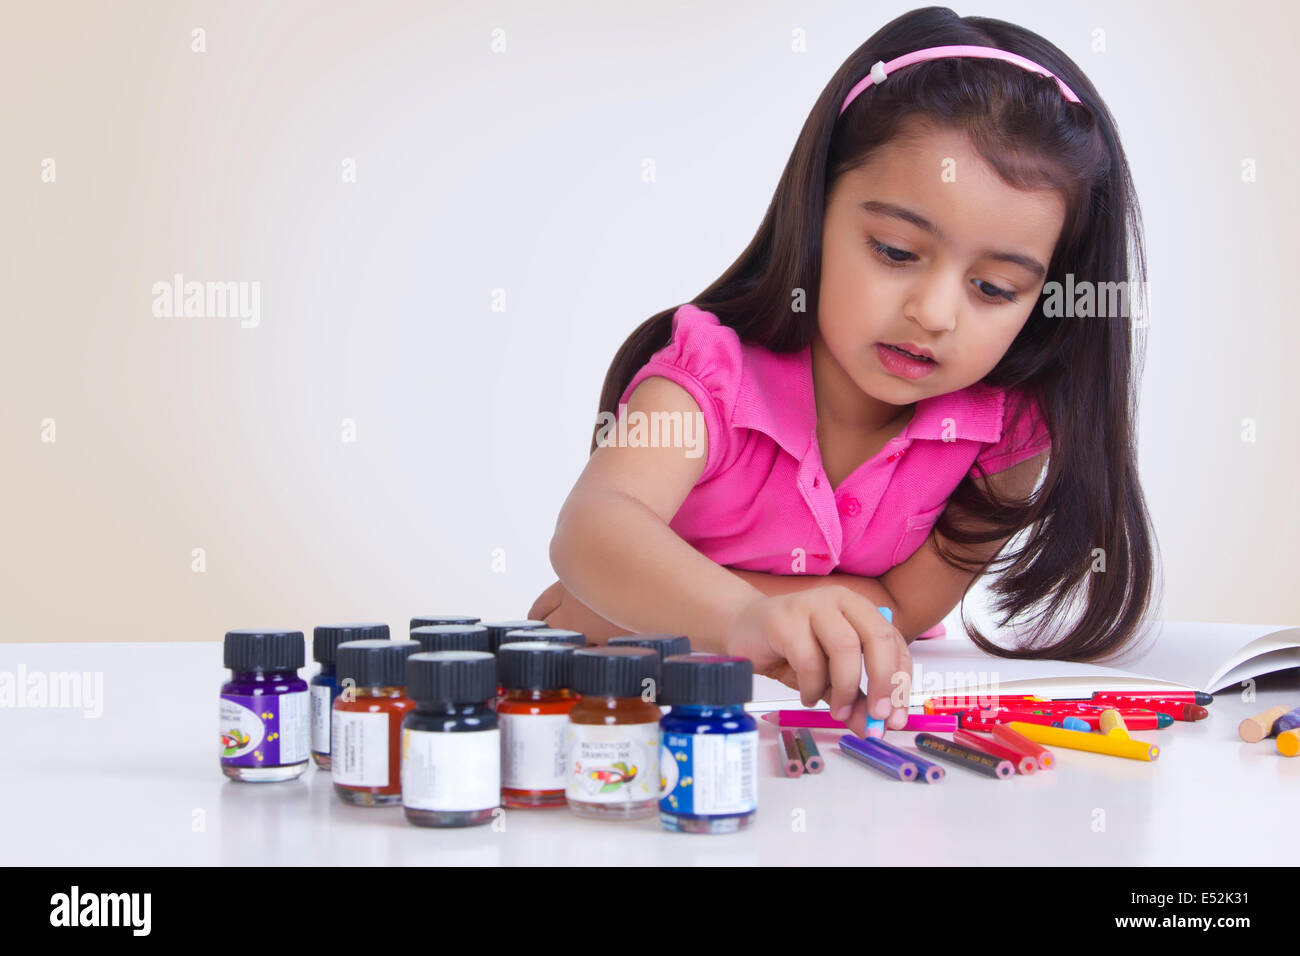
{"x":1024,"y":435}
{"x":705,"y":358}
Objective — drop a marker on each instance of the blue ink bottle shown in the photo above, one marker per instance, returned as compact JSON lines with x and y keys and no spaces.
{"x":708,"y":761}
{"x":264,"y":708}
{"x":325,"y":641}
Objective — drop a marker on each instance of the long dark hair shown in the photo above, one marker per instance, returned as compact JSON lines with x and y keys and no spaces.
{"x":1081,"y":371}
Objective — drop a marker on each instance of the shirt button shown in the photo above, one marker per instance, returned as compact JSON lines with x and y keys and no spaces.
{"x":850,"y":505}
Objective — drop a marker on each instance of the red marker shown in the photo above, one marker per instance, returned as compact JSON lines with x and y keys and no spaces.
{"x":988,"y":719}
{"x":1185,"y":696}
{"x":1177,"y":709}
{"x":1133,"y":719}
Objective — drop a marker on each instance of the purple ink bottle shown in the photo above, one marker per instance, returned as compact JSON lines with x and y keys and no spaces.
{"x":265,"y":707}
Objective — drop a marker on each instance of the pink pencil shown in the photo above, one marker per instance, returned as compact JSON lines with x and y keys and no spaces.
{"x":941,"y":723}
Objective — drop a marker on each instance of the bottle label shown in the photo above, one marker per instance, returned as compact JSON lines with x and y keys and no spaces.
{"x":451,"y":771}
{"x":532,"y":751}
{"x":360,"y":755}
{"x":267,"y":730}
{"x":616,"y":763}
{"x":709,"y":774}
{"x":321,"y":716}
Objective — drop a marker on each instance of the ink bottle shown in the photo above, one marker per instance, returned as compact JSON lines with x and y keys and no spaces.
{"x":451,"y":745}
{"x":557,"y":635}
{"x":264,"y":708}
{"x":451,"y":637}
{"x":533,"y":711}
{"x":613,"y":734}
{"x":431,"y":620}
{"x":710,"y":745}
{"x":497,"y":630}
{"x":367,"y":721}
{"x":668,"y":645}
{"x":324,"y":683}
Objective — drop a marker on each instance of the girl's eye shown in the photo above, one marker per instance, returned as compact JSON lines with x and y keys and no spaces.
{"x":884,"y":251}
{"x":885,"y":254}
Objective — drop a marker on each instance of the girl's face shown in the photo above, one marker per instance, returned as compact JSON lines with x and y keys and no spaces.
{"x":960,"y":287}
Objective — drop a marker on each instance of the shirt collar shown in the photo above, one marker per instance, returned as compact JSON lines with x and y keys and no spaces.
{"x":775,"y":396}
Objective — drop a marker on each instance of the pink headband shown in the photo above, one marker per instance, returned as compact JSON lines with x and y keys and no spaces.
{"x":881,"y":69}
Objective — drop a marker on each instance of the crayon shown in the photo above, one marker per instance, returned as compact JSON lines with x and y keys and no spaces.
{"x":1288,"y":721}
{"x":1112,"y":724}
{"x":808,"y":752}
{"x":974,"y":760}
{"x":1254,"y":729}
{"x":1288,"y":742}
{"x":1094,"y":743}
{"x":867,"y":751}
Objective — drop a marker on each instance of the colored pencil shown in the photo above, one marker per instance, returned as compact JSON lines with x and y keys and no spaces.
{"x":808,"y":752}
{"x":865,"y":751}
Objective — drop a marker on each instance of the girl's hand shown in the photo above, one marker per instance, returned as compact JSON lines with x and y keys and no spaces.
{"x":558,"y":608}
{"x":816,"y":641}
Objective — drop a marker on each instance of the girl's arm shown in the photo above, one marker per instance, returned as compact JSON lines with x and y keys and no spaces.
{"x":615,"y":552}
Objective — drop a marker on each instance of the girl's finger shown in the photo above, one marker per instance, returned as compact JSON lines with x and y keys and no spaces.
{"x":546,"y":602}
{"x":805,"y":655}
{"x":888,"y":663}
{"x":843,"y":649}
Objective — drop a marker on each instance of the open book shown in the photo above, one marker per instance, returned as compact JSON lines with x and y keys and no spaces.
{"x":1179,"y":655}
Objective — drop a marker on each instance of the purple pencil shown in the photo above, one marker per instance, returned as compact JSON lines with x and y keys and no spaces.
{"x":886,"y":761}
{"x":926,"y":771}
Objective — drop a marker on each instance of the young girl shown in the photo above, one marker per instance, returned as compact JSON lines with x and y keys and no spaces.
{"x":928,"y":207}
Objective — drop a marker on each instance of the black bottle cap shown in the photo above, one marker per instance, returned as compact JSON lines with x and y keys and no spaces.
{"x":534,"y":665}
{"x":451,"y":637}
{"x":451,"y":677}
{"x":555,"y":634}
{"x":613,"y":671}
{"x":429,"y":620}
{"x":326,"y":639}
{"x":707,"y":679}
{"x":667,"y":645}
{"x":374,"y":663}
{"x":264,"y":649}
{"x":497,"y":629}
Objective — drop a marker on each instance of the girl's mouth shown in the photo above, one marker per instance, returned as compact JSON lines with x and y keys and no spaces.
{"x":904,"y":364}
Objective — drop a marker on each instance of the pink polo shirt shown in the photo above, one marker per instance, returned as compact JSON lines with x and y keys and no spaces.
{"x":764,"y":502}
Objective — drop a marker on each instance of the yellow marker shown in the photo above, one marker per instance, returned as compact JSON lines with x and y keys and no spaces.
{"x":1086,"y":740}
{"x":1254,"y":729}
{"x":1288,"y":742}
{"x":1112,"y":724}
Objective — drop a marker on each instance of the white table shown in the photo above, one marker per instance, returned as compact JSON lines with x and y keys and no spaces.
{"x":141,"y":785}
